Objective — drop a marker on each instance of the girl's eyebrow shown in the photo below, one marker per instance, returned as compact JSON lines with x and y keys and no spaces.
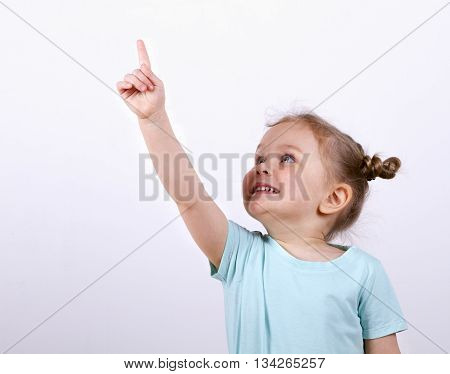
{"x":294,"y":147}
{"x":283,"y":146}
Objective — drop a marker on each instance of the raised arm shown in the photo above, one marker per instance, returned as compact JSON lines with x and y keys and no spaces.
{"x":144,"y":94}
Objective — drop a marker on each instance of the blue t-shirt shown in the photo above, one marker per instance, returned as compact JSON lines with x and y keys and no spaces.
{"x":277,"y":303}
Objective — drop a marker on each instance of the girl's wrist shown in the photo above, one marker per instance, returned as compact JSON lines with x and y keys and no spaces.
{"x":157,"y":118}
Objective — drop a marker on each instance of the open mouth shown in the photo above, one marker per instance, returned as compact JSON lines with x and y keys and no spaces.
{"x":265,"y":189}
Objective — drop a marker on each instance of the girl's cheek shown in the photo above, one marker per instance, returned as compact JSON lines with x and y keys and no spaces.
{"x":290,"y":179}
{"x":299,"y":186}
{"x":246,"y":183}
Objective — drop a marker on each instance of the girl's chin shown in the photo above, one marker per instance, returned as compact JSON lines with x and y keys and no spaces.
{"x":261,"y":206}
{"x":264,"y":197}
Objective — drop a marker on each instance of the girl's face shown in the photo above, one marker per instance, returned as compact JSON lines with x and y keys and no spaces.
{"x":287,"y":159}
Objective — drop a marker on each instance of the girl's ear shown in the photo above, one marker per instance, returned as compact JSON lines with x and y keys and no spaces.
{"x":337,"y":199}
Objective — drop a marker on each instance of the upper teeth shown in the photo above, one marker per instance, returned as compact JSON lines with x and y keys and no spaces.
{"x":263,"y":188}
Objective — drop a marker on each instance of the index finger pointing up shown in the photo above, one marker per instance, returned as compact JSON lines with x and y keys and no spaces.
{"x":142,"y":52}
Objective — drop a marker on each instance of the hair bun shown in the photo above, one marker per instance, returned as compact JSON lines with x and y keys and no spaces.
{"x":372,"y":167}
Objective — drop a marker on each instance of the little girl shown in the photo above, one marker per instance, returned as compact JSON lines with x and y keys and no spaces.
{"x":290,"y":290}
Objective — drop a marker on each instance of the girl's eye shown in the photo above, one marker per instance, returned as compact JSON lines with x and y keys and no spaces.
{"x":287,"y":154}
{"x":283,"y":158}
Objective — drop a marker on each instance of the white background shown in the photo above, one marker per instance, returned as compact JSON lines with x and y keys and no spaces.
{"x":69,"y":157}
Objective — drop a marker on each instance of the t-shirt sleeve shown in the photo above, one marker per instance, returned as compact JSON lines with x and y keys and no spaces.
{"x":378,"y":307}
{"x":235,"y":255}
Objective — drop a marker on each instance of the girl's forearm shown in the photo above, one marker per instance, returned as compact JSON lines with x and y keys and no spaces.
{"x":170,"y":161}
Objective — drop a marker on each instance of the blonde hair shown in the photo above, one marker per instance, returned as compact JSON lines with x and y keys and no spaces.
{"x":344,"y":161}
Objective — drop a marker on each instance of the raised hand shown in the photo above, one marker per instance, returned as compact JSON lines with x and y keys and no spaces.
{"x":142,"y":90}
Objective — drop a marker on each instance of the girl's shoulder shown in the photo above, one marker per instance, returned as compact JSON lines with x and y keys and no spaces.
{"x":367,"y":261}
{"x":357,"y":253}
{"x":363,"y":255}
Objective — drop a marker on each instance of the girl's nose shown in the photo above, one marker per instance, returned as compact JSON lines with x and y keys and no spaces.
{"x":262,"y":168}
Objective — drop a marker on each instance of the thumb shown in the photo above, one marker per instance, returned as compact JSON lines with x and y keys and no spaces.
{"x":151,"y":75}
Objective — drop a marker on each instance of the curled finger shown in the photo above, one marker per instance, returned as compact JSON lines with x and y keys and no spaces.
{"x":135,"y":81}
{"x":141,"y":76}
{"x":123,"y":86}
